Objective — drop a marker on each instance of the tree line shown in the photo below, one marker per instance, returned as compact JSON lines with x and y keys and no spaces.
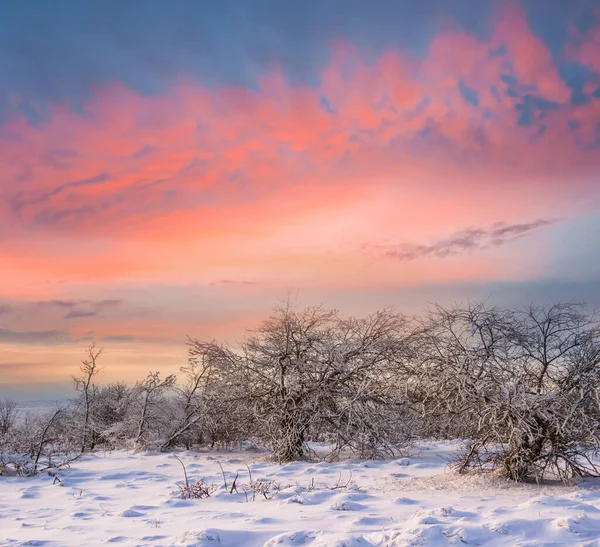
{"x":520,"y":387}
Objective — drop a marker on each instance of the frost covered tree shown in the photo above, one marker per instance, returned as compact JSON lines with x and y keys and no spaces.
{"x":308,"y":369}
{"x":521,"y":384}
{"x":149,"y":395}
{"x":40,"y":442}
{"x":112,"y":414}
{"x":8,"y":417}
{"x":188,"y":405}
{"x":84,"y":385}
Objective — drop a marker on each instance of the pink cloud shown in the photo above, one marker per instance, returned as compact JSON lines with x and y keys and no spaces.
{"x":290,"y":181}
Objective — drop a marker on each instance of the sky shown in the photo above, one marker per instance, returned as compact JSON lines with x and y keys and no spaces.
{"x":177,"y":168}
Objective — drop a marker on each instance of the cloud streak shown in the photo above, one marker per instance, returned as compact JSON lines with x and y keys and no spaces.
{"x":467,"y":241}
{"x":8,"y":336}
{"x":78,"y":314}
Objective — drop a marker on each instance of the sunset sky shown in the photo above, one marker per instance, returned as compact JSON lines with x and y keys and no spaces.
{"x":175,"y":168}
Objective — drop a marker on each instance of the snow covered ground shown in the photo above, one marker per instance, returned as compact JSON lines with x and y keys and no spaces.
{"x":133,"y":499}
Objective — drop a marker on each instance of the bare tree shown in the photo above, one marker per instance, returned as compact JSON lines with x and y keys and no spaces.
{"x":40,"y":443}
{"x":85,"y":387}
{"x":365,"y":392}
{"x":8,"y":416}
{"x":460,"y":357}
{"x":557,"y":353}
{"x":284,"y":361}
{"x":227,"y":415}
{"x":306,"y":370}
{"x":149,"y":393}
{"x":521,"y":384}
{"x":112,"y":414}
{"x":189,"y":402}
{"x":45,"y":438}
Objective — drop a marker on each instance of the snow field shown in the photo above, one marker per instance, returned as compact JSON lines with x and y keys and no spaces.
{"x":134,"y":499}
